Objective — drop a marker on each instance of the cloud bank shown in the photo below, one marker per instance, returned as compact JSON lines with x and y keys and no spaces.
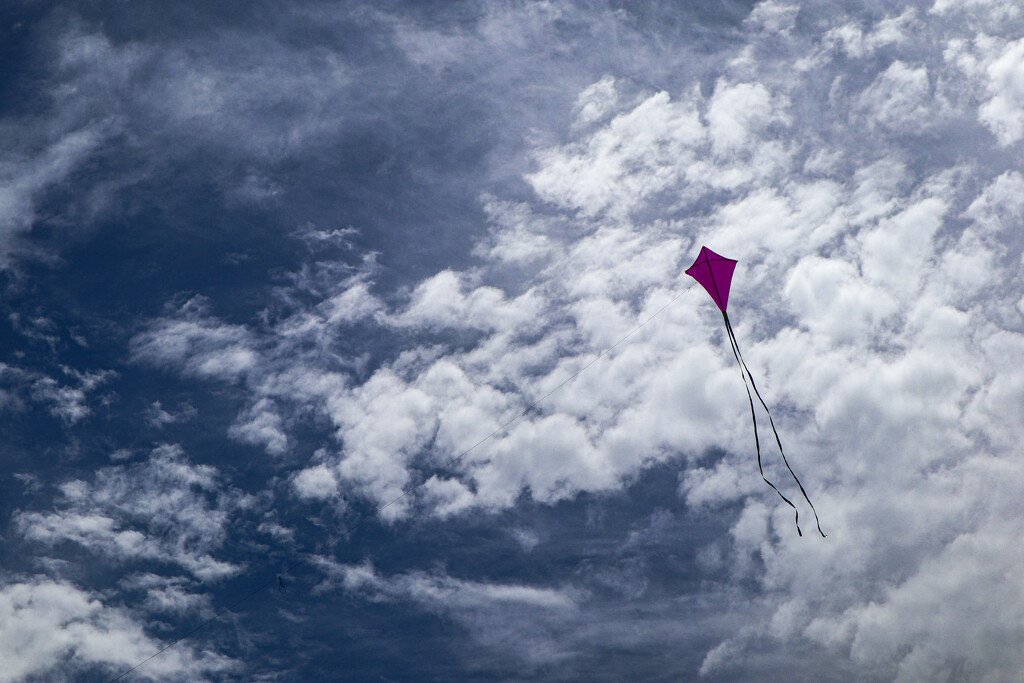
{"x":520,"y":186}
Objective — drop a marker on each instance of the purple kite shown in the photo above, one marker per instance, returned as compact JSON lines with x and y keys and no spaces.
{"x":714,"y":273}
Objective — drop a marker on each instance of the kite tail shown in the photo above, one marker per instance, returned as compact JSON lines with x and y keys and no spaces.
{"x":745,"y":372}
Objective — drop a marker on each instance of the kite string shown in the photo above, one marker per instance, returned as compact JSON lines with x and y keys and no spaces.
{"x":778,"y":441}
{"x":350,"y":530}
{"x":204,"y":624}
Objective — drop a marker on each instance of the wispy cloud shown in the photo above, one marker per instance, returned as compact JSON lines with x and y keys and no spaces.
{"x":162,"y":509}
{"x":67,"y":401}
{"x":205,"y":347}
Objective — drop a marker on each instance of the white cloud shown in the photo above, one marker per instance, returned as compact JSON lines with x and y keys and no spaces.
{"x":832,"y":298}
{"x":162,"y":509}
{"x":938,"y":621}
{"x":168,"y":595}
{"x":992,"y":10}
{"x":261,"y":425}
{"x":447,"y":496}
{"x":526,"y":538}
{"x":596,"y":101}
{"x":1003,"y":112}
{"x":157,"y":416}
{"x":896,"y":254}
{"x":384,"y":423}
{"x":21,"y":179}
{"x":201,"y":345}
{"x":778,"y":222}
{"x":720,"y":655}
{"x":855,"y":42}
{"x":440,"y":591}
{"x":900,"y":100}
{"x":317,"y":483}
{"x":662,"y":145}
{"x":723,"y":484}
{"x":519,"y":237}
{"x":68,"y":402}
{"x":738,"y":113}
{"x":638,"y":153}
{"x":229,"y":90}
{"x":353,"y":304}
{"x":53,"y":629}
{"x":876,"y":302}
{"x":440,"y":302}
{"x":1000,"y":207}
{"x":531,"y":625}
{"x":773,"y":16}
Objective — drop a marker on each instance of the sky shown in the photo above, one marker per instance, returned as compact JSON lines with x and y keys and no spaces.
{"x":266,"y":266}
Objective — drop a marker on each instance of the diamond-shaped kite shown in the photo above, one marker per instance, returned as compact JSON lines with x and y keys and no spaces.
{"x":714,"y":273}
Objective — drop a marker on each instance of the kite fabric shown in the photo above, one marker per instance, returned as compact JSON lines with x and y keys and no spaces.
{"x":714,"y":273}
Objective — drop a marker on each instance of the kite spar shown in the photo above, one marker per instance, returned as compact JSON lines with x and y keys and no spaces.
{"x":714,"y":273}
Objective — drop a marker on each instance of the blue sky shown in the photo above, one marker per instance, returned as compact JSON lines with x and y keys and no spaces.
{"x":265,"y":266}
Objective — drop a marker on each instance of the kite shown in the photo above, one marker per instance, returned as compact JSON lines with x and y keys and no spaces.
{"x":714,"y":273}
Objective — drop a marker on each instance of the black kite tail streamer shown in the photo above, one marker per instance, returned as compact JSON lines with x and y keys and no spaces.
{"x":745,"y":371}
{"x":714,"y":272}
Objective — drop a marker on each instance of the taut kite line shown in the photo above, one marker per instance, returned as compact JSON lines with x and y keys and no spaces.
{"x":714,"y":273}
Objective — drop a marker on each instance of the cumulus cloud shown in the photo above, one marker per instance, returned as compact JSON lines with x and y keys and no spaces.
{"x":786,"y":230}
{"x":261,"y":425}
{"x":872,"y":203}
{"x":1004,"y":111}
{"x":316,"y":482}
{"x":738,"y":113}
{"x":881,"y":375}
{"x":900,"y":99}
{"x":440,"y":301}
{"x":903,"y":625}
{"x":855,"y":42}
{"x":54,"y":629}
{"x":598,"y":173}
{"x":595,"y":101}
{"x":832,"y":297}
